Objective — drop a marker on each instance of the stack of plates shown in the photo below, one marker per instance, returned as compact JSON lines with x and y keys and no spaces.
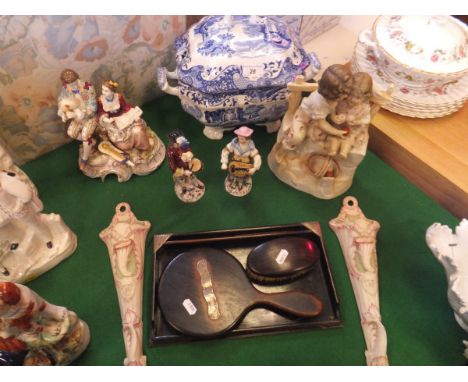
{"x":413,"y":102}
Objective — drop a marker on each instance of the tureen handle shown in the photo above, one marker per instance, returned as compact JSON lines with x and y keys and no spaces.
{"x":162,"y":74}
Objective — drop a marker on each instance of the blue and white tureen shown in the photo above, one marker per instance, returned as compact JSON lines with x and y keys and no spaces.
{"x":233,"y":70}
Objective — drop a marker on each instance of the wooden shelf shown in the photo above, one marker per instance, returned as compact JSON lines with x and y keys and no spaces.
{"x":431,"y":153}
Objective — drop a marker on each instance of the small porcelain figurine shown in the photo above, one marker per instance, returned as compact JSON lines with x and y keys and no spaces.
{"x":116,"y":140}
{"x":357,"y":237}
{"x":31,"y":243}
{"x":125,"y":239}
{"x":184,"y":166}
{"x":244,"y":163}
{"x":323,"y":138}
{"x":77,"y":102}
{"x":451,"y":249}
{"x":35,"y":332}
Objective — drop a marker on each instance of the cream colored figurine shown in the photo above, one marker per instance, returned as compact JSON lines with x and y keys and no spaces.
{"x":77,"y":103}
{"x":31,"y":243}
{"x":357,"y":237}
{"x":125,"y":239}
{"x":323,"y":138}
{"x":245,"y":162}
{"x":35,"y":332}
{"x":116,"y":140}
{"x":451,"y":249}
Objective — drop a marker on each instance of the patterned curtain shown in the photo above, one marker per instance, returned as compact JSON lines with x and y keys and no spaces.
{"x":35,"y":49}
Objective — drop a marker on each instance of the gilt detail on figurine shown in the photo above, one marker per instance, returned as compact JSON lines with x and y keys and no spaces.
{"x":115,"y":139}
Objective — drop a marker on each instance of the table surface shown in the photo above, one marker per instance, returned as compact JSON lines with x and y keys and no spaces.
{"x":420,"y":326}
{"x":431,"y":153}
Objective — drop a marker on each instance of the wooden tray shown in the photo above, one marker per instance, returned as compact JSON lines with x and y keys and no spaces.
{"x":239,"y":243}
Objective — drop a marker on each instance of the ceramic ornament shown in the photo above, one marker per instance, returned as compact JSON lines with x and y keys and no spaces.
{"x":423,"y":57}
{"x":323,"y":137}
{"x":242,"y":160}
{"x":184,"y":167}
{"x":233,"y":70}
{"x":125,"y":239}
{"x":115,"y":139}
{"x":31,"y":243}
{"x":357,"y":237}
{"x":451,"y":249}
{"x":35,"y":332}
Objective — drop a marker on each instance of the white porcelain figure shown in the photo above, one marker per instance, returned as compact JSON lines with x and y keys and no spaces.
{"x":233,"y":70}
{"x":31,"y":243}
{"x":323,"y":138}
{"x":35,"y":332}
{"x":451,"y":249}
{"x":116,"y":140}
{"x":125,"y":239}
{"x":357,"y":237}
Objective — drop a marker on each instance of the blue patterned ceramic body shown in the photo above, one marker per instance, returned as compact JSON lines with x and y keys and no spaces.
{"x":233,"y":70}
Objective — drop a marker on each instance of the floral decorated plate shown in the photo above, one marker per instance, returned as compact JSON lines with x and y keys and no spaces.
{"x":453,"y":94}
{"x":432,"y":44}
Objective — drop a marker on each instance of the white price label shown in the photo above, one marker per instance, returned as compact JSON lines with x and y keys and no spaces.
{"x":282,"y":255}
{"x":189,"y":307}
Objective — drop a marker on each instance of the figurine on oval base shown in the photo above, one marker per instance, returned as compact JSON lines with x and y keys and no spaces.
{"x":244,"y":163}
{"x":34,"y":332}
{"x":184,"y":166}
{"x":116,"y":140}
{"x":323,"y":137}
{"x":31,"y":243}
{"x":451,"y":249}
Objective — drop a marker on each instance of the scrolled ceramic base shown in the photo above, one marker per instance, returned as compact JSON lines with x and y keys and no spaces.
{"x":301,"y":171}
{"x":190,"y":190}
{"x":237,"y":186}
{"x":100,"y":165}
{"x":27,"y":257}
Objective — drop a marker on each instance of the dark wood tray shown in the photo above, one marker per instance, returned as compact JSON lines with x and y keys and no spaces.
{"x":239,"y":243}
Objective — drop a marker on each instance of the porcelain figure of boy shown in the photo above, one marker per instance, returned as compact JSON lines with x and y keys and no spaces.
{"x":184,"y":166}
{"x":31,"y":243}
{"x":77,"y":102}
{"x":35,"y":332}
{"x":242,"y":160}
{"x":323,"y":139}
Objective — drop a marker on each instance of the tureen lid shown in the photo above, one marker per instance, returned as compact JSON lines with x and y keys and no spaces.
{"x":434,"y":44}
{"x":232,"y":53}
